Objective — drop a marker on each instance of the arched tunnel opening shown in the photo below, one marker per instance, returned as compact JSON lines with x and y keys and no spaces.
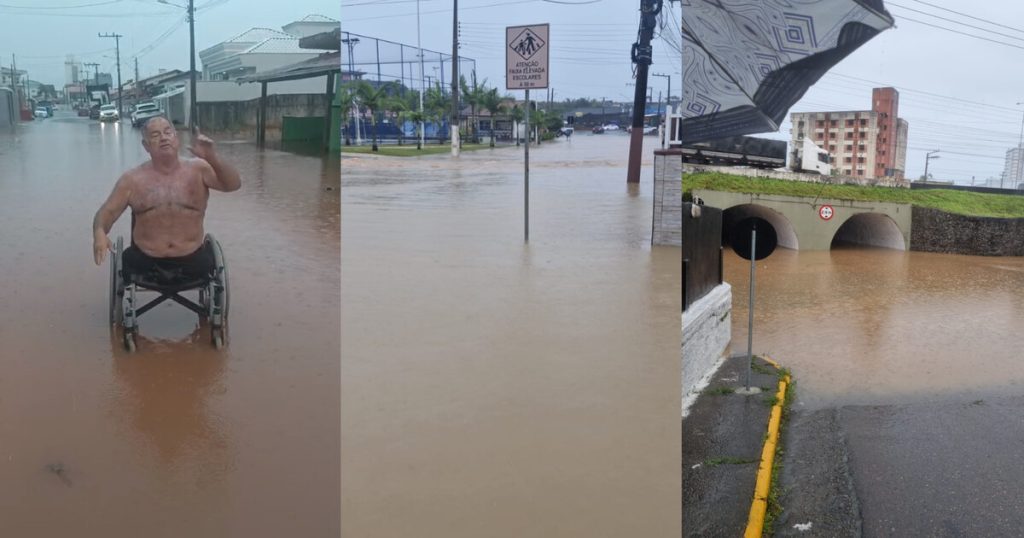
{"x":869,"y":230}
{"x":783,"y":228}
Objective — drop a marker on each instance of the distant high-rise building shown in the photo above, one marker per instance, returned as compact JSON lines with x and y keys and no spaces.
{"x":71,"y":70}
{"x":868,"y":144}
{"x":1013,"y":170}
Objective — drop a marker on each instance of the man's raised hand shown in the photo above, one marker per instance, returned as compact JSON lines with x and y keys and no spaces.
{"x":202,"y":147}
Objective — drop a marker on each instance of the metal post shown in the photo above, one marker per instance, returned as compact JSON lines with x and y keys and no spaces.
{"x":422,"y":87}
{"x":526,"y":175}
{"x":193,"y":124}
{"x":455,"y":80}
{"x":750,"y":311}
{"x":262,"y":136}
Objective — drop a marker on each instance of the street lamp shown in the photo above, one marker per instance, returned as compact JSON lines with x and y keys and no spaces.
{"x":351,"y":42}
{"x":191,"y":60}
{"x":928,"y":157}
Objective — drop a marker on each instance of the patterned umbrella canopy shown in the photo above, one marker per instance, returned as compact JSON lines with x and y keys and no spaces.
{"x":746,"y":62}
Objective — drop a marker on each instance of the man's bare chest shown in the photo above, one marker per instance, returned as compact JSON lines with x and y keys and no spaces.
{"x":181,"y":191}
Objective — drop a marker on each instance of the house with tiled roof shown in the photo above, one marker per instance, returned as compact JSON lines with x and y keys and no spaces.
{"x":261,"y":49}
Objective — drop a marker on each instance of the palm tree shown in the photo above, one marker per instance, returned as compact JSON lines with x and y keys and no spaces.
{"x":436,"y":106}
{"x":517,"y":118}
{"x":474,"y":98}
{"x":493,"y":103}
{"x":346,"y":97}
{"x":374,"y":100}
{"x":417,"y":117}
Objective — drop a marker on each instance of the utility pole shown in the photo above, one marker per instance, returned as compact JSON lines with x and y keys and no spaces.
{"x":117,"y":45}
{"x":455,"y":79}
{"x":14,"y":86}
{"x":136,"y":77}
{"x":192,"y":66}
{"x":422,"y":87}
{"x":642,"y":58}
{"x":95,"y":71}
{"x":929,"y":156}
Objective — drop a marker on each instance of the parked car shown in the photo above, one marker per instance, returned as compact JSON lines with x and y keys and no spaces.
{"x":94,"y":112}
{"x":109,"y":113}
{"x":83,"y":112}
{"x":41,"y":112}
{"x":145,"y":111}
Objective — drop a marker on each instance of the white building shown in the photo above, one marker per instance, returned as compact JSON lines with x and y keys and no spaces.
{"x":1013,"y":169}
{"x":262,"y":49}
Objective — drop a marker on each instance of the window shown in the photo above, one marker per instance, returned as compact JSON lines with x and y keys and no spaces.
{"x":860,"y":159}
{"x":848,"y":171}
{"x":832,"y":123}
{"x":863,"y":134}
{"x":861,"y":147}
{"x":848,"y":160}
{"x":849,"y":135}
{"x":849,"y":123}
{"x":863,"y":123}
{"x":860,"y":172}
{"x":832,"y":148}
{"x":801,"y":124}
{"x":821,"y":123}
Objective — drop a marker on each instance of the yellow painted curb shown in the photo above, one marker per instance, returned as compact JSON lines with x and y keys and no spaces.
{"x":755,"y":522}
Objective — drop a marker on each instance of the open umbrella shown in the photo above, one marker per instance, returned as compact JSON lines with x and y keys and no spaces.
{"x":746,"y":62}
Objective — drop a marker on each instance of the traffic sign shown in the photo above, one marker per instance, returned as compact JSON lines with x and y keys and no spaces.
{"x":526,"y":56}
{"x":826,"y":212}
{"x":765,"y":242}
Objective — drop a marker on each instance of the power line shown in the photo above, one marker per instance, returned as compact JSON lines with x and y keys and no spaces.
{"x":969,"y":16}
{"x":63,"y":7}
{"x":963,"y":33}
{"x":955,"y":21}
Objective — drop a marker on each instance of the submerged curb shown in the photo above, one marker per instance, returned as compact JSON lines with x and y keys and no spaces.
{"x":759,"y":506}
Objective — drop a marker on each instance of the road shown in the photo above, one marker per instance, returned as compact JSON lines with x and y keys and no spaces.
{"x":176,"y":439}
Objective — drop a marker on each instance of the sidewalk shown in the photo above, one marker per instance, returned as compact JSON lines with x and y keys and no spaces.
{"x":722,"y":441}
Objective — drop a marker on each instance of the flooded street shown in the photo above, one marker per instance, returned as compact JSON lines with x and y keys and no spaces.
{"x":864,"y":326}
{"x":176,"y":439}
{"x":492,"y":388}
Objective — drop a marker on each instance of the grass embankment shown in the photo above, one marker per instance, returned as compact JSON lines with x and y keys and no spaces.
{"x":959,"y":202}
{"x":409,"y":150}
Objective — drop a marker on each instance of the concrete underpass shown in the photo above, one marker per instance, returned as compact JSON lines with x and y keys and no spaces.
{"x":801,"y":223}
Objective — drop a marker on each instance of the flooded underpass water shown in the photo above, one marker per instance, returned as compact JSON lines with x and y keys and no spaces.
{"x":492,"y":388}
{"x":879,"y":326}
{"x":177,"y":439}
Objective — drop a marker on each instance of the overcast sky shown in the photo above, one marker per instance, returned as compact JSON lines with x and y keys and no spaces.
{"x":976,"y":84}
{"x":590,"y":39}
{"x":41,"y":36}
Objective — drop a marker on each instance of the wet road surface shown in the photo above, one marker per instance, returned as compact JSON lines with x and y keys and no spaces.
{"x":495,"y":389}
{"x":177,"y":439}
{"x":907,"y":418}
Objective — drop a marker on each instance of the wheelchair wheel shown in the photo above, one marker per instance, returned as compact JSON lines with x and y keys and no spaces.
{"x":218,"y":297}
{"x":116,"y":283}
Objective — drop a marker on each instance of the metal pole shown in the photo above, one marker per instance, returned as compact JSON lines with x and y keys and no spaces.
{"x":192,"y":120}
{"x":422,"y":87}
{"x":455,"y":79}
{"x":750,"y":311}
{"x":526,"y":175}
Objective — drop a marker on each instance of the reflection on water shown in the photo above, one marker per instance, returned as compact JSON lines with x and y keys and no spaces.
{"x":492,"y":388}
{"x":876,"y":325}
{"x":177,"y":439}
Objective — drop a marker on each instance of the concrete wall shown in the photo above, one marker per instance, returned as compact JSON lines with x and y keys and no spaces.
{"x":812,"y":232}
{"x":214,"y":91}
{"x":707,"y":330}
{"x":8,"y":108}
{"x":938,"y":231}
{"x":797,"y":176}
{"x":668,"y":199}
{"x":238,"y":118}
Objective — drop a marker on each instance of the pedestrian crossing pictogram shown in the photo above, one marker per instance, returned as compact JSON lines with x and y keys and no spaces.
{"x":526,"y":44}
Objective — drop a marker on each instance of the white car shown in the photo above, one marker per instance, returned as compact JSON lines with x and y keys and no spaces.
{"x":611,"y":127}
{"x":145,"y":111}
{"x":41,"y":112}
{"x":109,"y":113}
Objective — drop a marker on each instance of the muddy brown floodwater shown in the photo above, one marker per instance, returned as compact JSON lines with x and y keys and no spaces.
{"x":490,"y":388}
{"x":177,"y":439}
{"x":876,"y":326}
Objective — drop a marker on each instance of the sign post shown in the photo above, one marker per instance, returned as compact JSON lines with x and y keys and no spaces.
{"x":763,"y":241}
{"x":526,"y":67}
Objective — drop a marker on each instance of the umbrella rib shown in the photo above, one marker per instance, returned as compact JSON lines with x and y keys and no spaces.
{"x":719,"y":64}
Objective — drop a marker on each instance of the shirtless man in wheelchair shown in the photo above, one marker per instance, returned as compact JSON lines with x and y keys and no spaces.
{"x":168,"y":197}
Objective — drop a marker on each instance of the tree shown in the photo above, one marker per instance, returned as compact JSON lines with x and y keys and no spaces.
{"x":417,"y":117}
{"x":517,"y":117}
{"x":436,"y":105}
{"x":374,"y":100}
{"x":346,"y":96}
{"x":491,"y":101}
{"x":474,"y":98}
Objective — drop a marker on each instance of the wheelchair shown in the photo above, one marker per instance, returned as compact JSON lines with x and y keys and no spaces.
{"x":125,"y":295}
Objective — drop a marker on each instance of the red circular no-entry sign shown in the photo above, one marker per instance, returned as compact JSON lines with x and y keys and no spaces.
{"x":826,"y":212}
